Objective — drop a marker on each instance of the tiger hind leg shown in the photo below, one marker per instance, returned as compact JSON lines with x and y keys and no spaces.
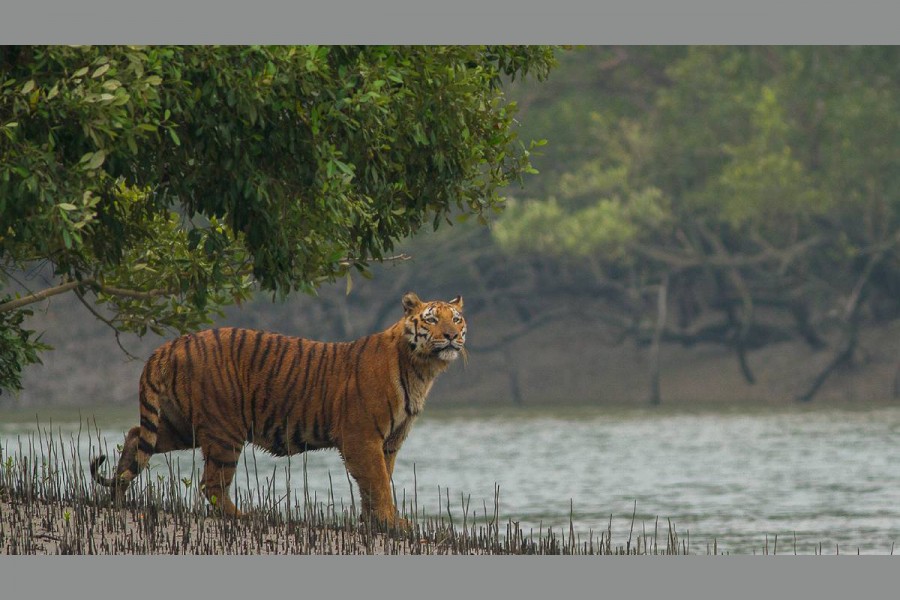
{"x":127,"y":468}
{"x":140,"y":445}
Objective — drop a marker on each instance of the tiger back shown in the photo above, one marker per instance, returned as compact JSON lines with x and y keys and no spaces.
{"x":219,"y":389}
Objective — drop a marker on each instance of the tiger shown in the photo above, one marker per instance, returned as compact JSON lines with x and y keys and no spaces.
{"x":218,"y":389}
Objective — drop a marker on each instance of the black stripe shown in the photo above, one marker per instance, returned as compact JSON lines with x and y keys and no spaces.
{"x":206,"y":399}
{"x":174,"y":366}
{"x":265,"y":353}
{"x":316,"y":385}
{"x":391,"y":410}
{"x":173,"y":391}
{"x":240,"y":345}
{"x":188,"y":359}
{"x":148,"y":424}
{"x":232,"y":380}
{"x":289,"y":377}
{"x":133,"y":467}
{"x":416,"y":371}
{"x":150,"y":385}
{"x":223,"y":464}
{"x":149,"y":371}
{"x":316,"y":434}
{"x":217,"y":367}
{"x":326,"y":421}
{"x":278,"y":447}
{"x":297,"y":438}
{"x":280,"y":350}
{"x":230,"y":445}
{"x":365,"y":342}
{"x":256,"y":344}
{"x":189,"y":442}
{"x":377,"y":428}
{"x":306,"y":366}
{"x":356,"y":377}
{"x":309,"y":382}
{"x":407,"y":405}
{"x":287,"y":394}
{"x":268,"y":426}
{"x":146,"y":404}
{"x":144,"y":446}
{"x":204,"y":355}
{"x":262,"y":380}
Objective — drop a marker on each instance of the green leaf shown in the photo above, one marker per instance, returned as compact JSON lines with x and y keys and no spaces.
{"x":29,"y":85}
{"x":96,"y":159}
{"x":67,"y":206}
{"x":80,"y":72}
{"x":100,"y":71}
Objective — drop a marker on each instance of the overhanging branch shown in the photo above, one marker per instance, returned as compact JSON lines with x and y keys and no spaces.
{"x":42,"y":295}
{"x":78,"y":285}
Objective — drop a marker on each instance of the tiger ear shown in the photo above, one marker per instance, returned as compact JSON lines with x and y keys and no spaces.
{"x":411,"y":303}
{"x":458,"y":302}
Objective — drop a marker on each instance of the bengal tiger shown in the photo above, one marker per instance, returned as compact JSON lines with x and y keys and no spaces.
{"x":219,"y":388}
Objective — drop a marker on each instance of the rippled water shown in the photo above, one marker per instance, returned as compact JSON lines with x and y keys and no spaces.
{"x":826,"y":477}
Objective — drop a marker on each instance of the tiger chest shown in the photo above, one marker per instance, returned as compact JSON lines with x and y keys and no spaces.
{"x":411,"y":395}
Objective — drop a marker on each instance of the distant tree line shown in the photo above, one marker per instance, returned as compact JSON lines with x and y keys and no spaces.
{"x":739,"y":196}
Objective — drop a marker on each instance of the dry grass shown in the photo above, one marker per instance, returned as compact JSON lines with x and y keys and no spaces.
{"x":48,"y":505}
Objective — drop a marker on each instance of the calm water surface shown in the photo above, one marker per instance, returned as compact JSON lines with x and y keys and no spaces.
{"x":811,"y":477}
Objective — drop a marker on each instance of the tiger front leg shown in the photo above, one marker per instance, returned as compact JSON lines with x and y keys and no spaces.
{"x":366,"y":463}
{"x":219,"y":467}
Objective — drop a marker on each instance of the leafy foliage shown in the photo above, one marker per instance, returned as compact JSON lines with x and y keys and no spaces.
{"x":168,"y":180}
{"x":18,"y":347}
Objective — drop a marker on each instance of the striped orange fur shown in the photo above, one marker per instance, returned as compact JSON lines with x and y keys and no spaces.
{"x":218,"y":389}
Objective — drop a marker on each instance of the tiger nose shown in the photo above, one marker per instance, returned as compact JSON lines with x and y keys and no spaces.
{"x":451,"y":335}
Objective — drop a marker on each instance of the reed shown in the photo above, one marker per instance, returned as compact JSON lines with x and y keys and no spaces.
{"x":49,"y":505}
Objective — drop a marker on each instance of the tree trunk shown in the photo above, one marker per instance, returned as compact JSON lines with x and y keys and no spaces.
{"x":661,"y":304}
{"x":851,"y":335}
{"x":841,"y":357}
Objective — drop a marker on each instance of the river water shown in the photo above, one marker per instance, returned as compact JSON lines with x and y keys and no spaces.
{"x":818,"y":479}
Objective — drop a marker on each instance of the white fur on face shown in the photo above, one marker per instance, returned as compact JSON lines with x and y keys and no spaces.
{"x":448,"y":355}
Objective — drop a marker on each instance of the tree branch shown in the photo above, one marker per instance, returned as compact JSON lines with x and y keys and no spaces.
{"x":43,"y":295}
{"x":76,"y":285}
{"x":137,"y":294}
{"x":80,"y":295}
{"x":685,"y":261}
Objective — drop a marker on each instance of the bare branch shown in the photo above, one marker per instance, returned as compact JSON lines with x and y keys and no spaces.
{"x":136,"y":294}
{"x":75,"y":285}
{"x":109,"y":323}
{"x":349,"y":261}
{"x":683,"y":261}
{"x":43,"y":295}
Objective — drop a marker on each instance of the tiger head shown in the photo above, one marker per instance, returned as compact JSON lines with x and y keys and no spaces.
{"x":435,"y":330}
